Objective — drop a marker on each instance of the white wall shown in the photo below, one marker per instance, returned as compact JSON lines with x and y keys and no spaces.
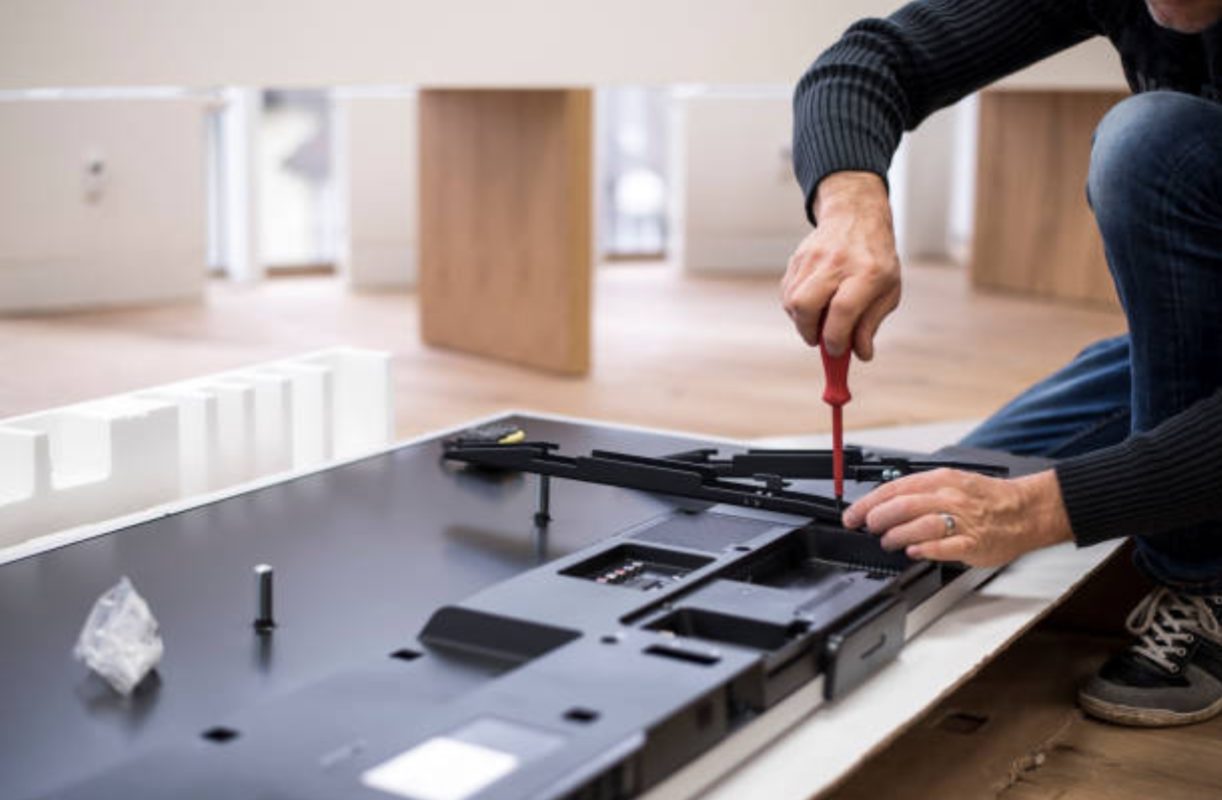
{"x":924,"y":191}
{"x":135,"y":234}
{"x":736,"y":206}
{"x":933,"y":179}
{"x":457,"y":42}
{"x":376,"y":170}
{"x":961,"y":214}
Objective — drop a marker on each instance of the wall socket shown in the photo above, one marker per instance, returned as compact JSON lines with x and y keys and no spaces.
{"x":95,"y":175}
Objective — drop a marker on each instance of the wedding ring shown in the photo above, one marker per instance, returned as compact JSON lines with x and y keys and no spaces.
{"x":949,"y":521}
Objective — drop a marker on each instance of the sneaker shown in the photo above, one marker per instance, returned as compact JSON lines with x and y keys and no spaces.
{"x":1172,"y":675}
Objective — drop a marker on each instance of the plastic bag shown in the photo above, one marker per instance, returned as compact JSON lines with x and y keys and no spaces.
{"x":120,"y":641}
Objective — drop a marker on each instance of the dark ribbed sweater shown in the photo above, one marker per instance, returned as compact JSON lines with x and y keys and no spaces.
{"x":886,"y":75}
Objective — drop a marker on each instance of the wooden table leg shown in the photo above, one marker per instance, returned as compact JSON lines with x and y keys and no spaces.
{"x":505,"y":224}
{"x":1034,"y":231}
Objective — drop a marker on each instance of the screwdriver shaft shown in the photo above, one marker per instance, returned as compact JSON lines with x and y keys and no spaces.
{"x":838,"y":453}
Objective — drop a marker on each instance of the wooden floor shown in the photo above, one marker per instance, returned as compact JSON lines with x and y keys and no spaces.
{"x":718,"y":356}
{"x":1013,"y":732}
{"x":710,"y":355}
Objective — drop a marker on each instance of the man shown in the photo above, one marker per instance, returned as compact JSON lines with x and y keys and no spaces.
{"x":1135,"y":422}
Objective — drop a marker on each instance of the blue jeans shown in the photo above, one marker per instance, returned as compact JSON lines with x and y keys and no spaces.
{"x":1156,"y":190}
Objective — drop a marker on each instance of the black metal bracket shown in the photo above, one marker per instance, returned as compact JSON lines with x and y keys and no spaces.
{"x":755,"y":479}
{"x":817,"y":464}
{"x":666,"y":476}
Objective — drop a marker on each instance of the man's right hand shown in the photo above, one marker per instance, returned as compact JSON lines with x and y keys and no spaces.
{"x":847,"y":264}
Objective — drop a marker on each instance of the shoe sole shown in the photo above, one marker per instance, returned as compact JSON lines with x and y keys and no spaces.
{"x":1137,"y":717}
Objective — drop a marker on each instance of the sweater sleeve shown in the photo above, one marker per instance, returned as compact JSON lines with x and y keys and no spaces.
{"x":885,"y":75}
{"x":1166,"y":478}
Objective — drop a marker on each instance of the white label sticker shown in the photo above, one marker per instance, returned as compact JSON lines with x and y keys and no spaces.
{"x":440,"y":769}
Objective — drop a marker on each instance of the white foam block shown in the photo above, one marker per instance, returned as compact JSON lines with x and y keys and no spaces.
{"x":81,"y":464}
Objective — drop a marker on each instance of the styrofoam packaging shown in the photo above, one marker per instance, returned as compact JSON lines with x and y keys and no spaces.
{"x":117,"y":455}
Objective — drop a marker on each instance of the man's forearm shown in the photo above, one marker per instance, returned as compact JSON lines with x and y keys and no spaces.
{"x":885,"y":75}
{"x":1049,"y":520}
{"x":850,"y":193}
{"x":1167,"y":478}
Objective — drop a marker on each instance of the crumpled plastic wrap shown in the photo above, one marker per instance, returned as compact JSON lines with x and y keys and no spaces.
{"x":120,"y":641}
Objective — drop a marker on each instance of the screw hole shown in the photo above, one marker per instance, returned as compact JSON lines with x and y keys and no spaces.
{"x":963,"y":722}
{"x":404,"y":654}
{"x":583,"y":716}
{"x":220,"y":734}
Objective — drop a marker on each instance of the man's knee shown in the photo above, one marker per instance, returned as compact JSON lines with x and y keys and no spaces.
{"x":1146,"y":141}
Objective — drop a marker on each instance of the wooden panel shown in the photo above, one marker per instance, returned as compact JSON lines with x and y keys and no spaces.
{"x":1014,"y":732}
{"x":1034,"y":230}
{"x":505,"y":224}
{"x":979,"y":739}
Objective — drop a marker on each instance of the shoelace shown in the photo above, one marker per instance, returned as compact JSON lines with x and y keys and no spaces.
{"x":1166,"y":622}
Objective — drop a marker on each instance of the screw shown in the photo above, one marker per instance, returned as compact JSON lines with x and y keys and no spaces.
{"x":543,"y":513}
{"x":265,"y":620}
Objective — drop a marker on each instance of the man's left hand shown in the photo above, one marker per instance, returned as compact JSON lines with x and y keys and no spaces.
{"x":992,"y":521}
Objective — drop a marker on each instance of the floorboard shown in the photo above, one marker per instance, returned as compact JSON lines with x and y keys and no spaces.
{"x":1014,"y":732}
{"x":710,"y":355}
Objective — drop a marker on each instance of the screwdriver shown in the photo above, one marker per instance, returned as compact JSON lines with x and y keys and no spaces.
{"x":836,"y":394}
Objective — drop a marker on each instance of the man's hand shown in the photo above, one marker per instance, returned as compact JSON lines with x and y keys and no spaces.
{"x":847,"y":264}
{"x":995,"y":520}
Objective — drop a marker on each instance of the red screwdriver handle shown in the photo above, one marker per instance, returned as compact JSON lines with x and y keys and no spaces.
{"x":836,"y":372}
{"x":836,"y":368}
